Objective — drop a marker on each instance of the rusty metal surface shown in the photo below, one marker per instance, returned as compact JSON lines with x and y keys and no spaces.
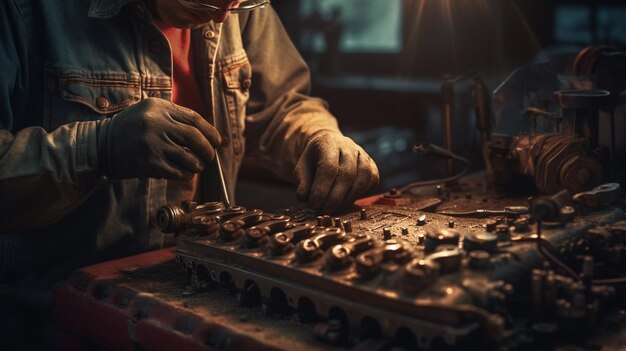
{"x":418,"y":278}
{"x":140,"y":300}
{"x":386,"y":276}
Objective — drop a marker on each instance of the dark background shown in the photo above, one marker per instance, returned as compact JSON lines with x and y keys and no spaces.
{"x":386,"y":101}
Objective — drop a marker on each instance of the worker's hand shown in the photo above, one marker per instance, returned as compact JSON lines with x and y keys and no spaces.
{"x":333,"y":171}
{"x":155,"y":139}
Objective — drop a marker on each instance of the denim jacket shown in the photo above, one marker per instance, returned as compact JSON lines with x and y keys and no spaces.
{"x":67,"y":63}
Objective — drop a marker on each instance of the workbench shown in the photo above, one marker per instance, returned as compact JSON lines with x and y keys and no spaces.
{"x":139,"y":302}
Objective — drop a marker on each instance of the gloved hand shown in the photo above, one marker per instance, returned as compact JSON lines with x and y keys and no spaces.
{"x":155,"y":139}
{"x":333,"y":171}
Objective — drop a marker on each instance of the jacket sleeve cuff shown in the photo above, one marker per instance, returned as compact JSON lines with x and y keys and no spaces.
{"x":87,"y":147}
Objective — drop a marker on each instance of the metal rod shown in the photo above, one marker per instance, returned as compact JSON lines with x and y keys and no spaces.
{"x":447,"y":97}
{"x":220,"y":172}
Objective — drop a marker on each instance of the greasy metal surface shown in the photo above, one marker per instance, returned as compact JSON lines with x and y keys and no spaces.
{"x":142,"y":300}
{"x":439,"y":279}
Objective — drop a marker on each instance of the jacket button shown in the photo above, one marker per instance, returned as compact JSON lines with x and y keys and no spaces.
{"x":155,"y":46}
{"x":246,"y":83}
{"x":209,"y":34}
{"x":102,"y":102}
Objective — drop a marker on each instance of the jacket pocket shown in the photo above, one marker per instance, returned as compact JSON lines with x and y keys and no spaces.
{"x":80,"y":96}
{"x":237,"y":80}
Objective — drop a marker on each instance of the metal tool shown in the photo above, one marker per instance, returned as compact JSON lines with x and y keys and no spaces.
{"x":482,"y":213}
{"x":223,"y":188}
{"x":599,"y":196}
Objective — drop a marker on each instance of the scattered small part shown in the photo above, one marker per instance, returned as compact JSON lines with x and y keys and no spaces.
{"x":421,"y":220}
{"x":386,"y":233}
{"x":421,"y":238}
{"x":450,"y":224}
{"x":405,"y":230}
{"x":363,"y":214}
{"x":337,"y":222}
{"x":347,"y":226}
{"x":320,"y":221}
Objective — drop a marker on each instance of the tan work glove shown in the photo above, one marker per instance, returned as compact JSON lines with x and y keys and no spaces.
{"x":333,"y":171}
{"x":155,"y":139}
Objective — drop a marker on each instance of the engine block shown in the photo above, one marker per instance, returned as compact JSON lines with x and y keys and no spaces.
{"x":397,"y":270}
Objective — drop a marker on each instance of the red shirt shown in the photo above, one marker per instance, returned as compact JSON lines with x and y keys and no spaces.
{"x":185,"y":92}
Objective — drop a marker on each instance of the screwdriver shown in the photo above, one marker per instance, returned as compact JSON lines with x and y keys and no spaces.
{"x":220,"y":173}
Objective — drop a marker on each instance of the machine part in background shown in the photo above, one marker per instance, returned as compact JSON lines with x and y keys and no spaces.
{"x":530,"y":86}
{"x":482,"y":108}
{"x":568,"y":157}
{"x":605,"y":67}
{"x":481,"y":104}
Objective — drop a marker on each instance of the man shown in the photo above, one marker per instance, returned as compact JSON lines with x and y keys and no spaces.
{"x":110,"y":109}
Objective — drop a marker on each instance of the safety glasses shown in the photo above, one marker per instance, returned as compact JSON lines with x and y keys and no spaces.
{"x":243,"y":7}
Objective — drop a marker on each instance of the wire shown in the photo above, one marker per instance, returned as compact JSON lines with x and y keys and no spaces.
{"x":541,"y":247}
{"x":433,"y":150}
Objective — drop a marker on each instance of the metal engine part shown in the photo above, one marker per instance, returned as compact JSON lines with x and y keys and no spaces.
{"x":568,"y":158}
{"x":427,"y":279}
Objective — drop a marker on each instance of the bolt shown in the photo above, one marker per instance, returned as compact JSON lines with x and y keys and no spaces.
{"x":490,"y":226}
{"x":328,"y":221}
{"x":363,"y":214}
{"x":337,"y":222}
{"x":451,"y":224}
{"x":386,"y":233}
{"x":421,"y":238}
{"x":255,"y":233}
{"x":421,"y":220}
{"x":405,"y":230}
{"x":347,"y":226}
{"x":281,"y":237}
{"x":229,"y":226}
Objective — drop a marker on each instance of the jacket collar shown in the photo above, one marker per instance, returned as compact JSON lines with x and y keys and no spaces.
{"x":107,"y":8}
